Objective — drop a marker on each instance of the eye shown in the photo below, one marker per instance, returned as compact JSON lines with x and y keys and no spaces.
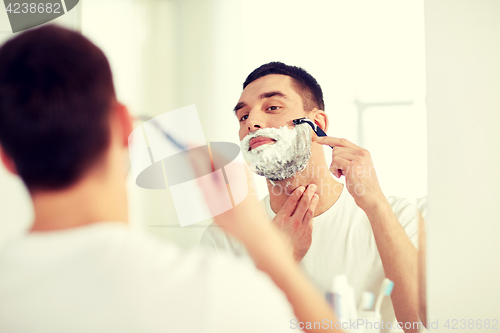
{"x":273,"y":108}
{"x":244,"y":118}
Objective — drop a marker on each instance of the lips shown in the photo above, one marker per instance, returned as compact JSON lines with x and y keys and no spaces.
{"x":259,"y":141}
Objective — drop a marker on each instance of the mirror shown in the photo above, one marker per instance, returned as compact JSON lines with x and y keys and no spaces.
{"x":367,"y":56}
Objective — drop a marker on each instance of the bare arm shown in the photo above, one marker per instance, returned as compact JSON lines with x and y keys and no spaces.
{"x":269,"y":250}
{"x":400,"y":261}
{"x":399,"y":256}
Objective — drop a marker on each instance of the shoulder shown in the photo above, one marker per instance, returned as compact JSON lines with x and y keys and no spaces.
{"x":402,"y":207}
{"x":214,"y":238}
{"x":226,"y":294}
{"x":408,"y":216}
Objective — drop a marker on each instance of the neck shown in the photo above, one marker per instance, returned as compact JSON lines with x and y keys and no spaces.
{"x":329,"y":189}
{"x":98,"y":197}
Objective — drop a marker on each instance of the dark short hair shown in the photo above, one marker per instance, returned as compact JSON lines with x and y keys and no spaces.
{"x":56,"y":93}
{"x":303,"y":82}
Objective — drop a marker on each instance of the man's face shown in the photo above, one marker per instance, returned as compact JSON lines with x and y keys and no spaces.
{"x":269,"y":101}
{"x":270,"y":143}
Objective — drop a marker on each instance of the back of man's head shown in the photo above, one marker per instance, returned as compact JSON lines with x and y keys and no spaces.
{"x":56,"y":94}
{"x":303,"y":82}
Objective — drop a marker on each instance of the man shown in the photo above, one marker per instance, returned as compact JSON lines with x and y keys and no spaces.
{"x":79,"y":269}
{"x":355,"y":231}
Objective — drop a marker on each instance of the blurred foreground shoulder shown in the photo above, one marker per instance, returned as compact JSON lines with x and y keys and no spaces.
{"x":215,"y":239}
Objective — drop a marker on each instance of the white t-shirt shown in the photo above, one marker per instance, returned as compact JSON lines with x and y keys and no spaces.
{"x":103,"y":278}
{"x":342,"y":243}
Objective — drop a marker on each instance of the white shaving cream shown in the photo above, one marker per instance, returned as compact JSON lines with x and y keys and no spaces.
{"x":281,"y":160}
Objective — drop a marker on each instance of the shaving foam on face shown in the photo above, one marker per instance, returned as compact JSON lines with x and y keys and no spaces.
{"x":281,"y":160}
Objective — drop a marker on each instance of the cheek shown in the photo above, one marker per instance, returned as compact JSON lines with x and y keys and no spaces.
{"x":242,"y":132}
{"x":285,"y":120}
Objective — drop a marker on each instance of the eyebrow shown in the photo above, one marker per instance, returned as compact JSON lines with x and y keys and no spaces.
{"x":264,"y":95}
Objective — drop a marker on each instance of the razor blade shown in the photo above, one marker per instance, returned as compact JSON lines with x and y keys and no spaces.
{"x":315,"y":128}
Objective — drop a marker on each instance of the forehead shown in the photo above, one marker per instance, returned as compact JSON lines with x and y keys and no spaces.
{"x":268,"y":83}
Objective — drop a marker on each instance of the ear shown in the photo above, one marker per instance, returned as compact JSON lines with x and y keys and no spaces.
{"x":125,"y":122}
{"x":8,"y":162}
{"x":320,"y":118}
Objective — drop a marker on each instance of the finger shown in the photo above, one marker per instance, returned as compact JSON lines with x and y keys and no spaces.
{"x":308,"y":218}
{"x":304,"y":202}
{"x":336,"y":172}
{"x":346,"y":153}
{"x":314,"y":137}
{"x":314,"y":202}
{"x":332,"y":142}
{"x":291,"y":202}
{"x":339,"y":165}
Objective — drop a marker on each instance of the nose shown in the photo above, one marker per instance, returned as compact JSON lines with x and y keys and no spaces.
{"x":254,"y":122}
